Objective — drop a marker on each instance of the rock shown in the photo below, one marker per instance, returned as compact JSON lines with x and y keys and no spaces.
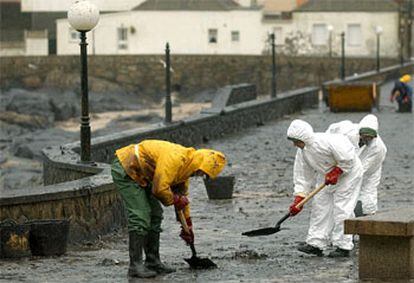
{"x":3,"y":157}
{"x":9,"y":131}
{"x":30,"y":103}
{"x":109,"y":262}
{"x":32,"y":82}
{"x":23,"y":120}
{"x":248,"y":254}
{"x":31,"y":145}
{"x":65,"y":105}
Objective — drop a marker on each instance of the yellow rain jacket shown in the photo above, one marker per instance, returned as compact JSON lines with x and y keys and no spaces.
{"x":168,"y":167}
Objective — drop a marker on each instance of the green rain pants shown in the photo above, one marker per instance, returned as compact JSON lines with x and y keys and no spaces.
{"x":144,"y":210}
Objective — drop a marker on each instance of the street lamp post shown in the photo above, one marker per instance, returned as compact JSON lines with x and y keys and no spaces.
{"x":378,"y":32}
{"x":343,"y":55}
{"x":272,"y":40}
{"x":168,"y":104}
{"x":330,"y":29}
{"x":83,"y":17}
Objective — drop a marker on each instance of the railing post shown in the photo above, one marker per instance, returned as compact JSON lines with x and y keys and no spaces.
{"x":273,"y":87}
{"x":168,"y":104}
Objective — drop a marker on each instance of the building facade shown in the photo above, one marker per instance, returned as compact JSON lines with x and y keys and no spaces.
{"x":63,"y":5}
{"x":205,"y":29}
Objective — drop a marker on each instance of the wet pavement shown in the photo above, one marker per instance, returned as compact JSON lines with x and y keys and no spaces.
{"x":261,"y":159}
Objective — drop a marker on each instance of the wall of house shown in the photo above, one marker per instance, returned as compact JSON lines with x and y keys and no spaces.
{"x":37,"y":47}
{"x":63,"y":5}
{"x":339,"y":21}
{"x":186,"y":31}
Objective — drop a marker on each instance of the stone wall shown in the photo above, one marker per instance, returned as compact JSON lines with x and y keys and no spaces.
{"x":233,"y":94}
{"x":144,"y":75}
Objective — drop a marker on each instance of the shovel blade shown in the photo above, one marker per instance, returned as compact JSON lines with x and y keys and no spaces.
{"x":200,"y":263}
{"x":262,"y":232}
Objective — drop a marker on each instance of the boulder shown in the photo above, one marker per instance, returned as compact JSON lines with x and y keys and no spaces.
{"x":30,"y":145}
{"x":30,"y":103}
{"x":26,"y":121}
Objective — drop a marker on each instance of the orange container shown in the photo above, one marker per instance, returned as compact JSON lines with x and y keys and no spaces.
{"x":352,"y":97}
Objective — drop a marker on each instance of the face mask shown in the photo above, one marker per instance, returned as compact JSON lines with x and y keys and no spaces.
{"x":363,"y":142}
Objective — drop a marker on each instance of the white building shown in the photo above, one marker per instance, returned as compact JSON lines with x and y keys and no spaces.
{"x":224,"y":27}
{"x":191,"y":27}
{"x":318,"y":25}
{"x":63,"y":5}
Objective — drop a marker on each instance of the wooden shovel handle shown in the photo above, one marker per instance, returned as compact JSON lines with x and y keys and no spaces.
{"x":311,"y":195}
{"x":182,"y":220}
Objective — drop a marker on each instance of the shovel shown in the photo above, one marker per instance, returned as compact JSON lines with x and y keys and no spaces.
{"x":195,"y":262}
{"x":272,"y":230}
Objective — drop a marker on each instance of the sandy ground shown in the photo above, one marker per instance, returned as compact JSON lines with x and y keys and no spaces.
{"x":101,"y":120}
{"x":262,"y":161}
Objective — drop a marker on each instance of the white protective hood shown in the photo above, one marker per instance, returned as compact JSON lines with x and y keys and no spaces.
{"x":300,"y":130}
{"x":347,"y":128}
{"x":369,"y":121}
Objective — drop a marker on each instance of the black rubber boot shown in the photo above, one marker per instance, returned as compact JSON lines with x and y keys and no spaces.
{"x":339,"y":253}
{"x":136,"y":265}
{"x":358,"y":209}
{"x":305,"y":248}
{"x":152,"y":252}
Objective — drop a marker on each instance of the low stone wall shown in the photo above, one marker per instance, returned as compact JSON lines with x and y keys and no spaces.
{"x":233,"y":94}
{"x":92,"y":205}
{"x":145,"y":74}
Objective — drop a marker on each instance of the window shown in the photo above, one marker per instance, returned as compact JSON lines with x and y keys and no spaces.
{"x":320,"y":34}
{"x":354,"y":35}
{"x":235,"y":36}
{"x":212,"y":35}
{"x":122,"y":38}
{"x":278,"y":32}
{"x":74,"y":35}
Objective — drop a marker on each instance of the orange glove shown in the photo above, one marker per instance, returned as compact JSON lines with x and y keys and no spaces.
{"x":332,"y":177}
{"x":293,"y":209}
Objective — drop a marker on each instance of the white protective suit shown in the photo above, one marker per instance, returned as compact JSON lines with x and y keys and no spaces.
{"x":372,"y":157}
{"x":334,"y":203}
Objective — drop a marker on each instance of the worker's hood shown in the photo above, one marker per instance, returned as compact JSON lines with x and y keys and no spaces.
{"x":300,"y":130}
{"x":210,"y":161}
{"x":369,"y":125}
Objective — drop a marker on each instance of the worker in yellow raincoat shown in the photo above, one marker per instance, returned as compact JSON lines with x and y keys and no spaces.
{"x":150,"y":173}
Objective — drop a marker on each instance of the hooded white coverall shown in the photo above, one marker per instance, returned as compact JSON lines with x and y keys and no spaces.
{"x":372,"y":156}
{"x":335,"y":203}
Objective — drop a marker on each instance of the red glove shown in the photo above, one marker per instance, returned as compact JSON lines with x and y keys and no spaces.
{"x":406,"y":99}
{"x":293,"y":209}
{"x":392,"y":98}
{"x":180,"y":201}
{"x":332,"y":177}
{"x":188,"y":237}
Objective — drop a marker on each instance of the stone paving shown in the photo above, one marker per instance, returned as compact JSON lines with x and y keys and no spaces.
{"x":262,"y":161}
